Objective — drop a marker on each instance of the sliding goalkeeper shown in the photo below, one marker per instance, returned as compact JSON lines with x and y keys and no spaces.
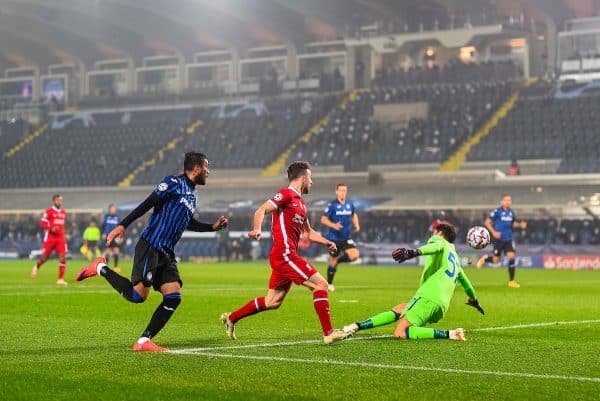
{"x":441,"y":273}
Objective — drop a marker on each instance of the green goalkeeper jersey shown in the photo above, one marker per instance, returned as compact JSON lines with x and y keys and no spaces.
{"x":441,"y":273}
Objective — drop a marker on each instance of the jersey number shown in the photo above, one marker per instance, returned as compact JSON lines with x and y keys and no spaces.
{"x":454,"y":263}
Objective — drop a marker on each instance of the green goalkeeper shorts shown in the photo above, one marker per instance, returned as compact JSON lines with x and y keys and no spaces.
{"x":420,"y":312}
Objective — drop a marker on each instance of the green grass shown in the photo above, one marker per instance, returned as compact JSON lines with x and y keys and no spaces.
{"x":74,"y":343}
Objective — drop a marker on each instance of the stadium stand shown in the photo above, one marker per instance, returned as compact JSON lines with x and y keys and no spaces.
{"x":455,"y":111}
{"x":234,"y":136}
{"x":552,"y":128}
{"x":92,"y":150}
{"x":11,"y":133}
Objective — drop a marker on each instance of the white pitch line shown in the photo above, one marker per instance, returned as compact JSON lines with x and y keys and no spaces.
{"x":64,"y":291}
{"x":361,"y":338}
{"x":400,"y":367}
{"x":525,"y":326}
{"x":266,"y":345}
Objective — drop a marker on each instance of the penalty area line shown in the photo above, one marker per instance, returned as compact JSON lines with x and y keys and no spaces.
{"x":362,"y":338}
{"x":398,"y":367}
{"x":529,"y":325}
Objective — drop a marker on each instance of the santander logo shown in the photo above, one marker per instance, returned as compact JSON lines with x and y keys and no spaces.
{"x":571,"y":262}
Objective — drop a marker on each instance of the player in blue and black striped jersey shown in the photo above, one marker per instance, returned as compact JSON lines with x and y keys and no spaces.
{"x":500,"y":223}
{"x":110,"y":222}
{"x":154,"y":265}
{"x":340,"y":216}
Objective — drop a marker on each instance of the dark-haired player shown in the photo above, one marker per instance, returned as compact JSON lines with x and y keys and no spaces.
{"x":53,"y":223}
{"x":289,"y":222}
{"x":429,"y":305}
{"x":340,"y":216}
{"x":174,"y":201}
{"x":500,"y":224}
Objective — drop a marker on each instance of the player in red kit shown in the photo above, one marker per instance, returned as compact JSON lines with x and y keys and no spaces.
{"x":289,"y":222}
{"x":53,"y":223}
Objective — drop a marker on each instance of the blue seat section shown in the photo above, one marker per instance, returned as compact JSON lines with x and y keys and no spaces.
{"x":92,"y":149}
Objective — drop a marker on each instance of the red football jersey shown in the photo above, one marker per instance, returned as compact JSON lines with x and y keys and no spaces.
{"x":54,"y":217}
{"x":288,"y":221}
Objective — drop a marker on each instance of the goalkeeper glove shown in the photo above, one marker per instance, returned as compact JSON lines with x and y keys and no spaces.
{"x":402,"y":254}
{"x":475,"y":304}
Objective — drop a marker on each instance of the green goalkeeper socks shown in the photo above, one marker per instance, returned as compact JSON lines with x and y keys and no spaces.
{"x":422,"y":333}
{"x":379,"y":320}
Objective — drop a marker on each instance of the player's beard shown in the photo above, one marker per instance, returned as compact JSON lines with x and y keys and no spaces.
{"x":200,"y":180}
{"x":305,"y":190}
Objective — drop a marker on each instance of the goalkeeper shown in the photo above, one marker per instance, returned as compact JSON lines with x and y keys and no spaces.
{"x":441,"y":273}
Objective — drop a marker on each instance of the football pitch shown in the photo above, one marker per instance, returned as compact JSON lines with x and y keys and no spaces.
{"x":541,"y":341}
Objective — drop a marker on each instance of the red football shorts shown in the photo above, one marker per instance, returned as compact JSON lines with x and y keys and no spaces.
{"x":289,"y":269}
{"x":59,"y":244}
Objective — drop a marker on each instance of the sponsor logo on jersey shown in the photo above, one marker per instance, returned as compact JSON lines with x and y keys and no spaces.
{"x":343,"y":212}
{"x":298,"y":219}
{"x":187,"y":204}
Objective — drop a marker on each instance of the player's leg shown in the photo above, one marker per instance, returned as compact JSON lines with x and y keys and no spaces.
{"x":416,"y":316}
{"x":406,"y":331}
{"x":318,"y":285}
{"x":107,"y":252}
{"x":168,"y":282}
{"x":333,"y":262}
{"x":494,"y":258}
{"x":136,"y":290}
{"x":331,"y":270}
{"x":61,"y":252}
{"x":381,"y":319}
{"x":346,"y":253}
{"x":116,"y":251}
{"x":49,"y":245}
{"x":62,"y":267}
{"x":511,"y":255}
{"x":39,"y":263}
{"x":272,"y":300}
{"x":279,"y":286}
{"x":351,"y":254}
{"x":97,"y":252}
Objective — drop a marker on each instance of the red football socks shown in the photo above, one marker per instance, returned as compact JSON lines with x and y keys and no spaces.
{"x":61,"y":270}
{"x":252,"y":307}
{"x":321,"y":304}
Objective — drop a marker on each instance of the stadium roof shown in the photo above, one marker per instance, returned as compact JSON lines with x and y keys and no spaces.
{"x":42,"y":32}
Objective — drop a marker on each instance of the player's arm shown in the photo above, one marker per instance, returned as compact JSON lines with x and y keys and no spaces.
{"x":355,"y":223}
{"x":314,"y":236}
{"x":328,"y":223}
{"x":198,"y":226}
{"x":519,"y":223}
{"x":266,"y":208}
{"x":152,"y":201}
{"x":403,"y":254}
{"x":489,"y":224}
{"x":44,"y":222}
{"x":466,"y":285}
{"x":326,"y":218}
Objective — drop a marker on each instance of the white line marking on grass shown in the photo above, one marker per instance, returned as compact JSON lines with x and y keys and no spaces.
{"x":361,"y":338}
{"x":348,"y":301}
{"x":399,"y":367}
{"x":64,"y":291}
{"x":265,"y":345}
{"x":543,"y":324}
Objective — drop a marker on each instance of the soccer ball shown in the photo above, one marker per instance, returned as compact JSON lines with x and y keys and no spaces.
{"x":478,"y":237}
